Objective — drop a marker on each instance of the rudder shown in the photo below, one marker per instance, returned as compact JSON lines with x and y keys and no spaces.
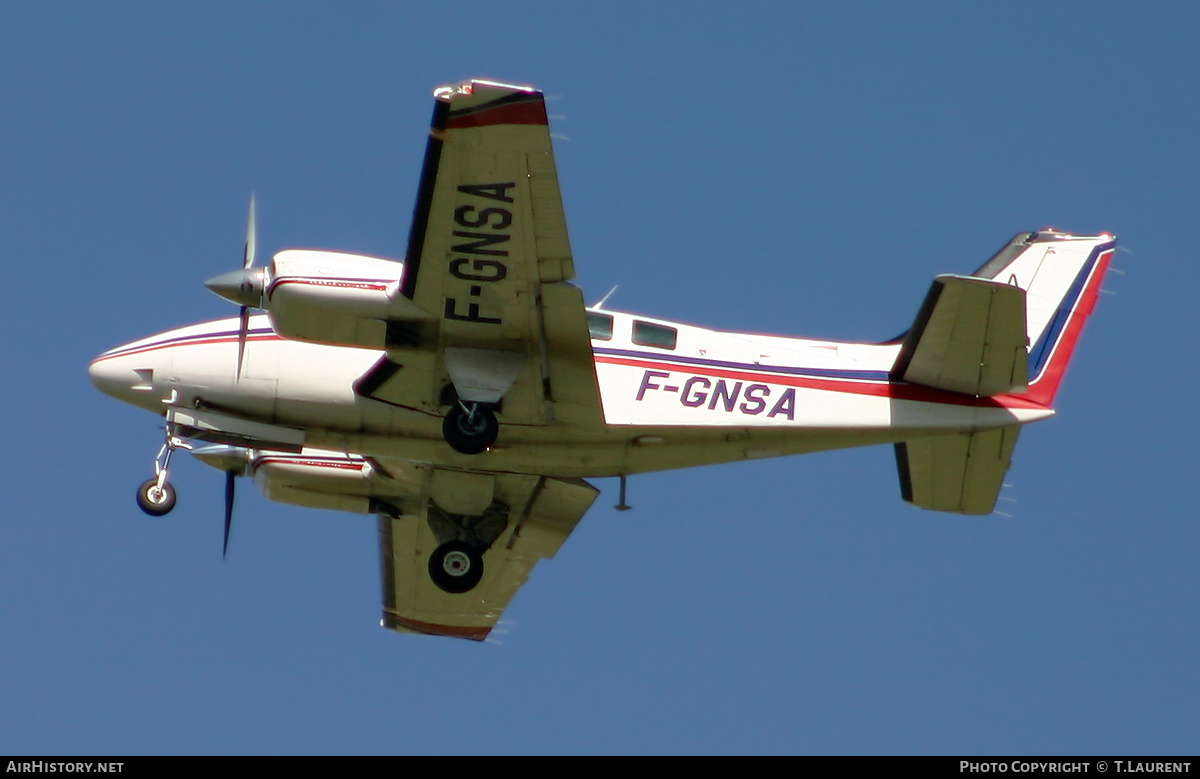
{"x":1061,"y":275}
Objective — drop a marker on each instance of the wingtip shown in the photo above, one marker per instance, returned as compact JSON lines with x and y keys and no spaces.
{"x":468,"y":86}
{"x":393,"y":621}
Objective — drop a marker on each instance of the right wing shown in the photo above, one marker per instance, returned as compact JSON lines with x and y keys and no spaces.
{"x":529,"y":518}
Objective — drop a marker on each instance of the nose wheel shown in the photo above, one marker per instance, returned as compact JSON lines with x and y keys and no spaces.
{"x":155,"y":500}
{"x":470,"y":428}
{"x":156,"y":497}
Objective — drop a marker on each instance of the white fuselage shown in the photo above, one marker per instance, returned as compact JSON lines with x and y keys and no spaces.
{"x":710,"y":397}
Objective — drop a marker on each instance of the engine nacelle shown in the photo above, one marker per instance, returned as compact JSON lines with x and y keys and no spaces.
{"x":325,"y":480}
{"x":339,"y":299}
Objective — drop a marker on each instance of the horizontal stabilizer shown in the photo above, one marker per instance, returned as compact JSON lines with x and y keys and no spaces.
{"x":961,"y":472}
{"x":969,"y":337}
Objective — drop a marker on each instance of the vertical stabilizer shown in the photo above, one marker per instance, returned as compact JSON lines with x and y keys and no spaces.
{"x":1061,"y":275}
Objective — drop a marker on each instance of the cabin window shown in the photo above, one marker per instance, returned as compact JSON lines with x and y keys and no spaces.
{"x":647,"y":334}
{"x":600,"y":326}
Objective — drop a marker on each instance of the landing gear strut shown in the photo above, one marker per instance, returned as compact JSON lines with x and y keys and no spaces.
{"x":470,"y":428}
{"x":156,"y":497}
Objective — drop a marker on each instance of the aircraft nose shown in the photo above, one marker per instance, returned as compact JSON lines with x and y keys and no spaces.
{"x":128,"y":378}
{"x":111,"y":377}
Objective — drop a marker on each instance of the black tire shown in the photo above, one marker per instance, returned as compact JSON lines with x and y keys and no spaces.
{"x":456,"y":567}
{"x":154,"y":503}
{"x":470,"y":435}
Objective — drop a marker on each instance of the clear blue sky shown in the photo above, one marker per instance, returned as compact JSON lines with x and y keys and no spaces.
{"x":782,"y":167}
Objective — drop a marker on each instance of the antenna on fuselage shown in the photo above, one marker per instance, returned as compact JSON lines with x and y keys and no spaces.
{"x":622,"y":505}
{"x":604,"y":299}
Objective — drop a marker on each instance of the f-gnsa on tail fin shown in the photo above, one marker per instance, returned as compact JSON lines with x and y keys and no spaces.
{"x":1008,"y":329}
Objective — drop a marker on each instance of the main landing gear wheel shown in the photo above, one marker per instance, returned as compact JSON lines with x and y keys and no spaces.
{"x":155,"y":501}
{"x":456,"y":567}
{"x":470,"y":431}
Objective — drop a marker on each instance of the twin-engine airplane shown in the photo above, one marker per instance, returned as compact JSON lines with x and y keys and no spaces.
{"x":463,"y":394}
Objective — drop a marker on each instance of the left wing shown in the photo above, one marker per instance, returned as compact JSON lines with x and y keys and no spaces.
{"x":455,"y":546}
{"x":528,"y":518}
{"x":488,"y":258}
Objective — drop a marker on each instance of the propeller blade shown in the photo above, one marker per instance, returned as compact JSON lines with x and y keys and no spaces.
{"x":246,"y":287}
{"x":251,"y":237}
{"x":244,"y":327}
{"x":244,"y":315}
{"x":230,"y":479}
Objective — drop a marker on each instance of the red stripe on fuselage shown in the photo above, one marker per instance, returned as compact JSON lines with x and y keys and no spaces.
{"x":895,"y":391}
{"x":195,"y":341}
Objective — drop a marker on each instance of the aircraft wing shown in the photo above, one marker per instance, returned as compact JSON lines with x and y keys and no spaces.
{"x":528,"y":519}
{"x":489,"y":259}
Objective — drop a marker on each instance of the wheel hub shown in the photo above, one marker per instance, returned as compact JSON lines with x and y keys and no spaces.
{"x":456,"y":563}
{"x":472,"y":424}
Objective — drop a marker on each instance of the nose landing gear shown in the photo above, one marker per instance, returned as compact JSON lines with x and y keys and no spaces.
{"x":155,"y":496}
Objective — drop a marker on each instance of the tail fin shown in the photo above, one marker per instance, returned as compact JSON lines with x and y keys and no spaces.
{"x":968,"y":338}
{"x":1012,"y":325}
{"x":1061,"y":275}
